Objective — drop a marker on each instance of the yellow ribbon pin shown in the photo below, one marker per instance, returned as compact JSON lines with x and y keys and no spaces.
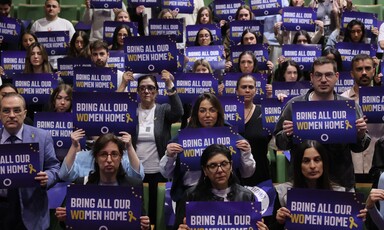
{"x":170,"y":57}
{"x":128,"y":116}
{"x":238,"y":117}
{"x":111,"y":86}
{"x":348,"y":125}
{"x":261,"y":91}
{"x":212,"y":91}
{"x":31,"y":169}
{"x":131,"y":216}
{"x":352,"y":223}
{"x":232,"y":150}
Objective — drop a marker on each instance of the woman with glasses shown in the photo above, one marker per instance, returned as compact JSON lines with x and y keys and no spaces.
{"x":121,"y":32}
{"x":207,"y":112}
{"x":204,"y":37}
{"x":217,"y":182}
{"x":107,"y":154}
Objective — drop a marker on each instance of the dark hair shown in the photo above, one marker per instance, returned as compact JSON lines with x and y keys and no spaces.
{"x":100,"y":143}
{"x":303,"y":33}
{"x":197,"y":36}
{"x":362,"y":57}
{"x":323,"y":61}
{"x":244,"y":76}
{"x":299,"y":181}
{"x":84,"y":52}
{"x":247,"y":31}
{"x":283,"y":68}
{"x":246,"y":7}
{"x":337,"y":56}
{"x":347,"y":35}
{"x":28,"y":68}
{"x":10,"y":85}
{"x":248,"y":52}
{"x":8,"y":2}
{"x":194,"y":121}
{"x":202,"y":62}
{"x":62,"y":87}
{"x":115,"y":45}
{"x":21,"y":39}
{"x":200,"y":11}
{"x":99,"y":44}
{"x":153,"y":78}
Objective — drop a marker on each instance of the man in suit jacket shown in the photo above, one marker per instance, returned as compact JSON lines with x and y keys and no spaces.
{"x":28,"y":207}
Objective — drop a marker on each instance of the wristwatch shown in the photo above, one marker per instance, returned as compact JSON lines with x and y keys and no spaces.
{"x":172,"y":90}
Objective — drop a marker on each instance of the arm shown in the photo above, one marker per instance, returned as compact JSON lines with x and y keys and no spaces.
{"x":247,"y":163}
{"x":319,"y":33}
{"x":88,"y":13}
{"x":168,"y":161}
{"x":284,"y":129}
{"x":377,"y":160}
{"x":127,"y":77}
{"x":130,"y":161}
{"x":374,"y":196}
{"x":363,"y":139}
{"x":176,"y":110}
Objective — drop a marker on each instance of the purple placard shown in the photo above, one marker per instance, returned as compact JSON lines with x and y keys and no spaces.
{"x":95,"y":79}
{"x":12,"y":62}
{"x":55,"y":42}
{"x":104,"y":112}
{"x":190,"y":85}
{"x":303,"y":55}
{"x":265,"y":7}
{"x":234,"y":111}
{"x":60,"y":126}
{"x":151,"y":54}
{"x":146,"y":3}
{"x":298,"y":18}
{"x":369,"y":20}
{"x":103,"y":207}
{"x":344,"y":83}
{"x":181,"y":6}
{"x":110,"y":26}
{"x":195,"y":140}
{"x":348,"y":50}
{"x":66,"y":67}
{"x":260,"y":51}
{"x":223,"y":215}
{"x":371,"y":100}
{"x":106,"y":4}
{"x":10,"y":29}
{"x":167,"y":27}
{"x":213,"y":54}
{"x":323,"y":209}
{"x":290,"y":89}
{"x":192,"y":30}
{"x":265,"y":193}
{"x":324,"y":121}
{"x":226,"y":9}
{"x":236,"y":29}
{"x":116,"y":60}
{"x":36,"y":88}
{"x":271,"y":110}
{"x":19,"y":164}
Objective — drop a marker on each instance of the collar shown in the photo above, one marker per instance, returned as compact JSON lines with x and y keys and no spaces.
{"x":5,"y":135}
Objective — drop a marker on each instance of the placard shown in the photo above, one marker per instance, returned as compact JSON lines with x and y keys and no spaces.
{"x":260,"y":51}
{"x":265,"y":7}
{"x":290,"y":89}
{"x":226,"y":9}
{"x":371,"y":100}
{"x":12,"y":62}
{"x":348,"y":50}
{"x":192,"y":30}
{"x":106,"y":4}
{"x":271,"y":109}
{"x":10,"y":29}
{"x":146,"y":3}
{"x":167,"y":27}
{"x":116,"y":60}
{"x":55,"y":42}
{"x":213,"y":54}
{"x":66,"y":67}
{"x":101,"y":79}
{"x":236,"y":29}
{"x":344,"y":83}
{"x":303,"y":55}
{"x":369,"y":20}
{"x":180,"y":6}
{"x":298,"y":18}
{"x":234,"y":111}
{"x":110,"y":26}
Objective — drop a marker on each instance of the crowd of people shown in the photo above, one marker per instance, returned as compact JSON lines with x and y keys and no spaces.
{"x":152,"y":155}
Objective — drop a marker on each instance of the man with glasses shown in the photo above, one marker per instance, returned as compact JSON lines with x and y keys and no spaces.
{"x":324,"y":76}
{"x":28,"y":207}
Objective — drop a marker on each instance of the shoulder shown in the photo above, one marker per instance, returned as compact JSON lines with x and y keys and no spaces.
{"x":30,"y":129}
{"x":283,"y":188}
{"x":131,"y":181}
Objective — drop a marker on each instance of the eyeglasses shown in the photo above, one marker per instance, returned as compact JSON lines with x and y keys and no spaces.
{"x":122,"y":35}
{"x":150,"y":88}
{"x":319,"y":76}
{"x":214,"y":167}
{"x":16,"y":111}
{"x":205,"y":111}
{"x":104,"y":156}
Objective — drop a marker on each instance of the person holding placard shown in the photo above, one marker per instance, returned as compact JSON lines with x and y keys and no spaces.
{"x":204,"y":16}
{"x":122,"y":16}
{"x":217,"y":182}
{"x":79,"y":45}
{"x":288,"y":71}
{"x":36,"y":60}
{"x":324,"y":76}
{"x":61,"y":99}
{"x":204,"y":37}
{"x":28,"y":207}
{"x":107,"y":155}
{"x":122,"y":31}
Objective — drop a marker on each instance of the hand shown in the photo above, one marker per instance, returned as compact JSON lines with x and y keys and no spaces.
{"x":127,"y":139}
{"x":184,"y":225}
{"x":140,"y":9}
{"x":288,"y":127}
{"x":42,"y":177}
{"x":127,"y":77}
{"x":363,"y":214}
{"x":282,"y":215}
{"x":61,"y":213}
{"x":243,"y":145}
{"x":168,"y":78}
{"x":261,"y":226}
{"x":281,"y":97}
{"x":270,"y":65}
{"x":281,"y":59}
{"x":320,"y":24}
{"x":374,"y":196}
{"x":145,"y":223}
{"x":220,"y":89}
{"x":228,"y":66}
{"x":375,"y":31}
{"x":174,"y":13}
{"x":361,"y":127}
{"x":2,"y":71}
{"x":76,"y":136}
{"x":173,"y":149}
{"x":378,"y":78}
{"x":222,"y":23}
{"x":277,"y":27}
{"x":268,"y":89}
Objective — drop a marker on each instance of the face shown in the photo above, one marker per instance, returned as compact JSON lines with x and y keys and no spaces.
{"x":297,"y":3}
{"x":27,"y":40}
{"x":204,"y":38}
{"x":301,"y":39}
{"x":121,"y":35}
{"x":204,"y":17}
{"x":147,"y":91}
{"x":79,"y":43}
{"x":246,"y":64}
{"x":5,"y":9}
{"x":52,"y":9}
{"x":247,"y":88}
{"x":123,"y":17}
{"x":290,"y":74}
{"x":324,"y":79}
{"x":312,"y":164}
{"x":363,"y":72}
{"x":167,"y":15}
{"x":249,"y":39}
{"x":201,"y":69}
{"x":5,"y":91}
{"x":99,"y":57}
{"x":36,"y":57}
{"x":218,"y":170}
{"x":244,"y":15}
{"x":109,"y":159}
{"x":356,"y":33}
{"x":207,"y":114}
{"x":62,"y":102}
{"x":12,"y":114}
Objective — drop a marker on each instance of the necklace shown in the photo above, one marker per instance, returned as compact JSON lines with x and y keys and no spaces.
{"x":249,"y":113}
